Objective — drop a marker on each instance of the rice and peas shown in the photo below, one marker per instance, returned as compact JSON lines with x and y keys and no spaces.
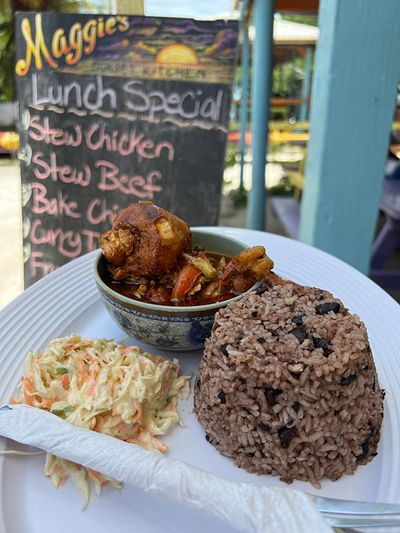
{"x":287,"y":385}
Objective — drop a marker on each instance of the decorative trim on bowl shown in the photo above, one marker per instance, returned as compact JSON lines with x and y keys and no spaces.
{"x":173,"y":333}
{"x":161,"y":316}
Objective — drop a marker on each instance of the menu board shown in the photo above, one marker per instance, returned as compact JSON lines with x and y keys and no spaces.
{"x":115,"y":110}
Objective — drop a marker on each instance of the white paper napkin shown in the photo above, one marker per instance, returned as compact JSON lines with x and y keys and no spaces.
{"x":242,"y":505}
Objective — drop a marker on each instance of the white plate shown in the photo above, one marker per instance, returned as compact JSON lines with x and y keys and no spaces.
{"x":66,"y":302}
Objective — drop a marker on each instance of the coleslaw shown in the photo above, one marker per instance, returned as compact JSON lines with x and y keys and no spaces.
{"x":106,"y":387}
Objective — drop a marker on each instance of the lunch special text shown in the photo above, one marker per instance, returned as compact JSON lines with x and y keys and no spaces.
{"x":190,"y":104}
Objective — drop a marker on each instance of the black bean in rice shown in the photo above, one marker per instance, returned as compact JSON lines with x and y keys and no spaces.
{"x":287,"y":385}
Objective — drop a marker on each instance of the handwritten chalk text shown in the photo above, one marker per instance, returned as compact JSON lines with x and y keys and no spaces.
{"x":44,"y":170}
{"x":68,"y":243}
{"x":60,"y":206}
{"x":190,"y":104}
{"x":38,"y":265}
{"x":98,"y":138}
{"x":41,"y":131}
{"x":112,"y":180}
{"x":98,"y":212}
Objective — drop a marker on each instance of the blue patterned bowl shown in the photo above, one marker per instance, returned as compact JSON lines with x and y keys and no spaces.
{"x":168,"y":327}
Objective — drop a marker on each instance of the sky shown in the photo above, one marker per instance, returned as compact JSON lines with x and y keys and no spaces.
{"x":189,"y":8}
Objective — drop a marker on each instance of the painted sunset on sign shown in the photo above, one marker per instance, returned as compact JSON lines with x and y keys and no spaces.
{"x":165,"y":48}
{"x":148,"y":36}
{"x":177,"y":54}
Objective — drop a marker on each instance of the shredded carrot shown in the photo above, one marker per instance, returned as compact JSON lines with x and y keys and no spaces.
{"x":28,"y":389}
{"x":97,"y":475}
{"x":139,"y":412}
{"x":64,"y":380}
{"x":83,"y":373}
{"x":46,"y":403}
{"x":91,"y":388}
{"x":164,"y":387}
{"x":145,"y":438}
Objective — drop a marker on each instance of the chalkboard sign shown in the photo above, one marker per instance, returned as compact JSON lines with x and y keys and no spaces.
{"x":113,"y":110}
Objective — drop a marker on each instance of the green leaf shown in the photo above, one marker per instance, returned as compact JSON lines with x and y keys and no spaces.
{"x":60,"y":371}
{"x":63,"y":412}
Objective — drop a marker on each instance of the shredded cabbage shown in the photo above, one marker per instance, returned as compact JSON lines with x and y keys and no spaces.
{"x":106,"y":387}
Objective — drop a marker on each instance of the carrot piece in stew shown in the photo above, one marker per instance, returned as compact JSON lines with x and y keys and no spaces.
{"x":187,"y":279}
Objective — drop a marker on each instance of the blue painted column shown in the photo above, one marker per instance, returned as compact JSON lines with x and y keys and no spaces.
{"x":244,"y":98}
{"x":356,"y":71}
{"x":306,"y":85}
{"x":263,"y":16}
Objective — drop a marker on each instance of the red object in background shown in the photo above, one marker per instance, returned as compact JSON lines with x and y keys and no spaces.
{"x":297,"y":6}
{"x":234,"y":137}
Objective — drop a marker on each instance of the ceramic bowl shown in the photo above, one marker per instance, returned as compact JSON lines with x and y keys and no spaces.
{"x":174,"y":328}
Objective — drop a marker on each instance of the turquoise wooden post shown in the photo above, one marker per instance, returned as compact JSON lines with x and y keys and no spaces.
{"x":306,"y":85}
{"x":261,"y":91}
{"x":356,"y":71}
{"x":244,"y":98}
